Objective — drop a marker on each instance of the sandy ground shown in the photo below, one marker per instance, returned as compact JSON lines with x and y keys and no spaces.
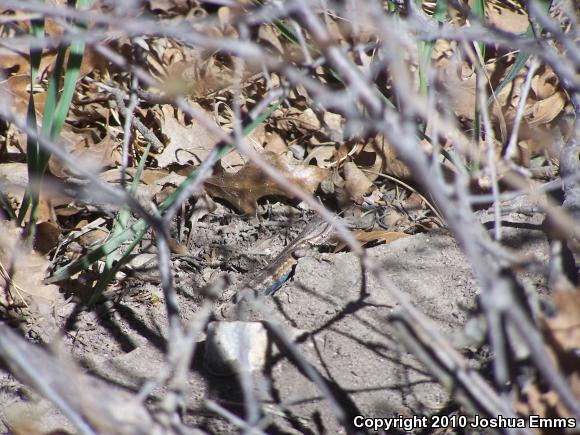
{"x":340,"y":323}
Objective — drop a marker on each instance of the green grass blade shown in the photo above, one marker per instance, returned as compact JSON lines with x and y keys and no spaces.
{"x":425,"y":50}
{"x":110,"y":272}
{"x":32,"y":147}
{"x":52,"y":92}
{"x":139,"y":228}
{"x":441,"y":11}
{"x":478,"y":9}
{"x":36,"y":155}
{"x":75,"y":59}
{"x":120,"y":225}
{"x":53,"y":118}
{"x":521,"y":58}
{"x":519,"y":63}
{"x":34,"y":151}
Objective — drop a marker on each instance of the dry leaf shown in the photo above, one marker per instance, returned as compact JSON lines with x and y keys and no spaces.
{"x":17,"y":67}
{"x":257,"y":138}
{"x":227,"y":17}
{"x":23,"y":271}
{"x":13,"y":182}
{"x":149,"y":181}
{"x":374,"y":236}
{"x":544,"y":84}
{"x":169,"y":5}
{"x":547,"y":404}
{"x":151,"y":176}
{"x":379,"y":236}
{"x":15,"y":91}
{"x":93,"y":61}
{"x":538,"y":403}
{"x":565,"y":327}
{"x":461,"y":87}
{"x":93,"y":156}
{"x":165,"y":186}
{"x":269,"y":37}
{"x":47,"y":236}
{"x":177,"y":248}
{"x":194,"y":77}
{"x":393,"y":217}
{"x":357,"y":183}
{"x":308,"y":121}
{"x":333,"y":124}
{"x":334,"y":31}
{"x":92,"y":237}
{"x":414,"y":202}
{"x":233,"y":161}
{"x":275,"y":144}
{"x":322,"y":155}
{"x":563,"y":332}
{"x":185,"y":144}
{"x":286,"y":119}
{"x":387,"y":157}
{"x":14,"y":62}
{"x":243,"y":189}
{"x":507,"y":20}
{"x":545,"y":110}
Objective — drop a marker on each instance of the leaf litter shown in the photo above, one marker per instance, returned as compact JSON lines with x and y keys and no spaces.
{"x":309,"y":146}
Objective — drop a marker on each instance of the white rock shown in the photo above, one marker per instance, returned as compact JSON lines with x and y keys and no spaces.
{"x":229,"y":345}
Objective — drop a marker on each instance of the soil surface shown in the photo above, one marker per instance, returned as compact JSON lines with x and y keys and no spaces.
{"x":342,"y":324}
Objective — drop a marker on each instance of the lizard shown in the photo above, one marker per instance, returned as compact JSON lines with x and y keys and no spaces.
{"x":317,"y":232}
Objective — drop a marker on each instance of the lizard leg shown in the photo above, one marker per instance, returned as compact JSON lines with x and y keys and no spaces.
{"x":273,"y":288}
